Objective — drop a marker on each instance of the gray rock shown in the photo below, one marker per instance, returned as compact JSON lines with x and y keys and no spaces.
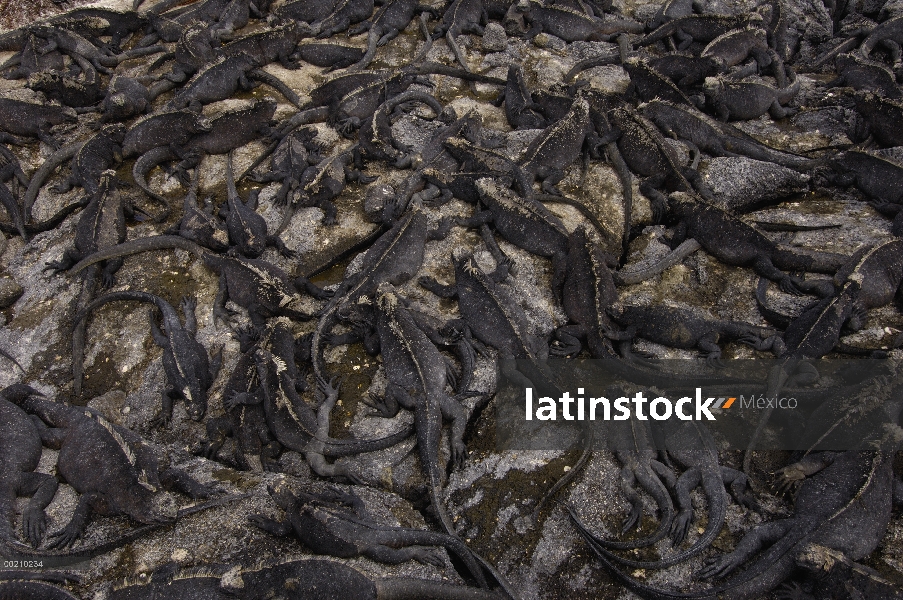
{"x":10,"y":291}
{"x":741,"y":182}
{"x":549,"y":42}
{"x":494,"y":38}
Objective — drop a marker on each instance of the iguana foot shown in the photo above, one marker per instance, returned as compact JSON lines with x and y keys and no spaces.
{"x":717,"y":567}
{"x":680,"y":526}
{"x":34,"y":525}
{"x":428,"y":557}
{"x":65,"y":537}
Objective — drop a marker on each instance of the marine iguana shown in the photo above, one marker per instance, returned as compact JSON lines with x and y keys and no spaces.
{"x":571,"y":25}
{"x":699,"y":28}
{"x":811,"y":335}
{"x":391,"y":18}
{"x":262,"y":288}
{"x":325,"y":579}
{"x":395,"y":257}
{"x":319,"y":184}
{"x":247,"y":229}
{"x":256,"y":448}
{"x":521,"y":111}
{"x":632,"y":444}
{"x":80,"y":94}
{"x":228,"y":131}
{"x":884,"y":116}
{"x":200,"y":226}
{"x":336,"y":523}
{"x":589,"y":289}
{"x":559,"y":145}
{"x":218,"y":80}
{"x":461,"y":16}
{"x":490,"y":314}
{"x":836,"y":577}
{"x":13,"y":589}
{"x":276,"y":44}
{"x":692,"y":446}
{"x":682,"y":328}
{"x":295,"y":153}
{"x":644,"y":151}
{"x":100,"y":227}
{"x":742,"y":100}
{"x":126,"y":98}
{"x":525,"y":223}
{"x":846,"y":506}
{"x":293,"y":423}
{"x":736,"y":243}
{"x":861,"y":74}
{"x":173,"y":129}
{"x":33,"y":120}
{"x":100,"y":152}
{"x":343,"y":15}
{"x":20,"y":447}
{"x":328,"y":55}
{"x":114,"y":471}
{"x":417,"y":377}
{"x":189,"y":372}
{"x":715,"y":137}
{"x":375,"y":139}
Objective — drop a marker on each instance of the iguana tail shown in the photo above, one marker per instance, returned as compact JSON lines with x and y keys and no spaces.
{"x":12,"y":549}
{"x":145,"y":165}
{"x":154,"y":242}
{"x":40,"y":177}
{"x":717,"y":499}
{"x":416,"y":589}
{"x":164,"y":306}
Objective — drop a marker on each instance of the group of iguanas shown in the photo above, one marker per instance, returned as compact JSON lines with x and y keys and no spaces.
{"x":113,"y":92}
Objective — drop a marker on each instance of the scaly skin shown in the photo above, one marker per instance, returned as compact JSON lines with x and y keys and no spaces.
{"x":417,"y":377}
{"x":20,"y":449}
{"x":682,"y":328}
{"x":33,"y":120}
{"x":742,"y":100}
{"x":395,"y":257}
{"x":262,"y":288}
{"x":189,"y":372}
{"x":845,"y":506}
{"x":330,"y":579}
{"x":714,"y":137}
{"x":111,"y":468}
{"x":336,"y":524}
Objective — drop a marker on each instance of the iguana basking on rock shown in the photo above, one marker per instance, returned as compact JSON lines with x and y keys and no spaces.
{"x":20,"y":449}
{"x":846,"y":507}
{"x":189,"y":372}
{"x":292,"y":421}
{"x":262,"y":288}
{"x":114,"y":471}
{"x":325,"y":580}
{"x":256,"y":449}
{"x":418,"y":376}
{"x":336,"y":523}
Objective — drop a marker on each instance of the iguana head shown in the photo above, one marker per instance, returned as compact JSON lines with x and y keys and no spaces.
{"x":150,"y":507}
{"x":195,"y":397}
{"x":386,"y":299}
{"x":282,"y":495}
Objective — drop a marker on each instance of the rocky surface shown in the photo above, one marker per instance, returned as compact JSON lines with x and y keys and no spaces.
{"x":491,"y":498}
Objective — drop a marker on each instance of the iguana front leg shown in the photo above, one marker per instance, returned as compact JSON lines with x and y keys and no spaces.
{"x":76,"y":526}
{"x":279,"y":528}
{"x":751,"y":543}
{"x":42,"y":488}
